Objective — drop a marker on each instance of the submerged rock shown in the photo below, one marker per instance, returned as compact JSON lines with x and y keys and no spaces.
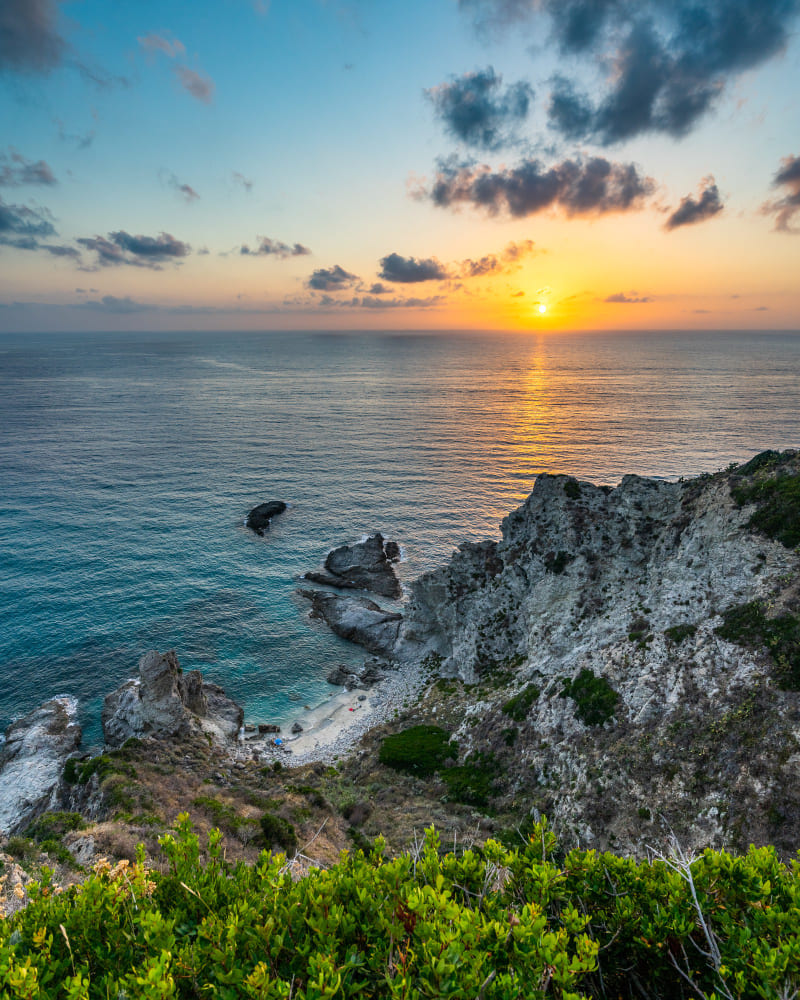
{"x":165,"y":701}
{"x":259,"y":518}
{"x":365,"y":565}
{"x":32,"y":761}
{"x":357,"y":619}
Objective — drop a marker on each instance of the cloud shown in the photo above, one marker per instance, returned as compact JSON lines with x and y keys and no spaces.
{"x":275,"y":248}
{"x":21,"y":226}
{"x":369,"y":302}
{"x":477,"y":112}
{"x":691,"y":210}
{"x":197,"y":84}
{"x":138,"y":251}
{"x":60,"y":250}
{"x":118,"y":306}
{"x":632,"y":299}
{"x":409,"y":270}
{"x":785,"y":208}
{"x":663,"y":66}
{"x":331,"y":279}
{"x":245,"y":182}
{"x":507,"y":260}
{"x":578,"y":186}
{"x":80,"y":141}
{"x":155,"y":42}
{"x":379,"y":289}
{"x":29,"y":38}
{"x":185,"y":190}
{"x":16,"y":170}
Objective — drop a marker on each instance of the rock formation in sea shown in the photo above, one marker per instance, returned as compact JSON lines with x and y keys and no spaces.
{"x":357,"y":619}
{"x":165,"y":701}
{"x":32,"y":761}
{"x":365,"y":565}
{"x":260,"y":517}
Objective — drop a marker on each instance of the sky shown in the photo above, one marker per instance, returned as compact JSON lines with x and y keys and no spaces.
{"x":369,"y":164}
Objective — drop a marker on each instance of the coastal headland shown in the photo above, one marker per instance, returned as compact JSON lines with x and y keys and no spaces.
{"x":625,"y":661}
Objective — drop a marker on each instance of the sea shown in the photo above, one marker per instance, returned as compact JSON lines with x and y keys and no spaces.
{"x":128,"y":463}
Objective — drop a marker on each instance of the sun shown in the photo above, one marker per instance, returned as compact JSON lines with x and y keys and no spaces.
{"x":542,"y":307}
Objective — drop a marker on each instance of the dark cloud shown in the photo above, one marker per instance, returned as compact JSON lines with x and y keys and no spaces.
{"x":669,"y":62}
{"x":275,"y":248}
{"x":138,"y":251}
{"x":785,"y":208}
{"x":30,"y":41}
{"x":475,"y":110}
{"x":60,"y":250}
{"x":245,"y":182}
{"x":379,"y":289}
{"x":691,"y":210}
{"x":186,"y":191}
{"x":369,"y":302}
{"x":21,"y":227}
{"x":409,"y":270}
{"x":577,"y":186}
{"x":331,"y":279}
{"x":80,"y":141}
{"x":197,"y":84}
{"x":16,"y":171}
{"x":632,"y":299}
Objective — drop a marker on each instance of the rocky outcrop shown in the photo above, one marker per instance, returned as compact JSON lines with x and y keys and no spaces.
{"x":371,"y":672}
{"x":165,"y":701}
{"x":365,"y":565}
{"x":356,"y":619}
{"x":260,"y":517}
{"x":603,"y":690}
{"x":32,"y":761}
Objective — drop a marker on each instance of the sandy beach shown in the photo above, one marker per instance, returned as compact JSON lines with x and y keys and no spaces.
{"x":332,"y":728}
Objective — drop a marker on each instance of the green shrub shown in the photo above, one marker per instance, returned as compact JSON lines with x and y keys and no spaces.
{"x":420,"y":750}
{"x":53,"y":825}
{"x":71,"y":771}
{"x":677,"y":633}
{"x":517,"y":707}
{"x":277,"y":830}
{"x":777,"y":499}
{"x":595,"y":699}
{"x":471,"y":782}
{"x":747,"y":625}
{"x":572,"y":489}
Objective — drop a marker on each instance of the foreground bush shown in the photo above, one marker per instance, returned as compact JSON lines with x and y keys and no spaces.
{"x":488,"y":924}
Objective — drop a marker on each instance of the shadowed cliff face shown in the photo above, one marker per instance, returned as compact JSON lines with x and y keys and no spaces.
{"x":600,"y":597}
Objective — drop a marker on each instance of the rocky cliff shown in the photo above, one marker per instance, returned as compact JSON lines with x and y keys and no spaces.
{"x":628,"y":660}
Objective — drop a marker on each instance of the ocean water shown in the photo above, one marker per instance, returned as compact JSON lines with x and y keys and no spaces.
{"x":128,"y":463}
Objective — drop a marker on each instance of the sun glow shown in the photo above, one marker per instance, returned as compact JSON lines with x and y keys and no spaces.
{"x":542,"y":307}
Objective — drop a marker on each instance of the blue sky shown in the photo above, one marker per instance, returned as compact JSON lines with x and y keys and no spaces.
{"x":449,"y":164}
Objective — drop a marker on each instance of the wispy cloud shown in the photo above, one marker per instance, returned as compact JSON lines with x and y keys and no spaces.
{"x":121,"y":248}
{"x":186,"y":191}
{"x":243,"y":181}
{"x":197,"y":84}
{"x":476,"y":110}
{"x":275,"y":248}
{"x":17,"y":171}
{"x":162,"y":42}
{"x":578,"y":186}
{"x":785,"y":208}
{"x":691,"y":210}
{"x":632,"y":299}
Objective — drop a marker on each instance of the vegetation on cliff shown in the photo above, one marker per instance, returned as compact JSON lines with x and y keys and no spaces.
{"x":488,"y":923}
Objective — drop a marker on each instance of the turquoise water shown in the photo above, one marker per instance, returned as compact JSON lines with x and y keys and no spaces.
{"x":128,"y":463}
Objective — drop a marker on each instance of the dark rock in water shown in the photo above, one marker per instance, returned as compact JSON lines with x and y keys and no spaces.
{"x":342,"y":676}
{"x":297,"y":728}
{"x":268,"y":728}
{"x":167,"y":702}
{"x":357,"y":619}
{"x":392,"y":550}
{"x":259,"y":517}
{"x":363,"y":566}
{"x":32,"y":762}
